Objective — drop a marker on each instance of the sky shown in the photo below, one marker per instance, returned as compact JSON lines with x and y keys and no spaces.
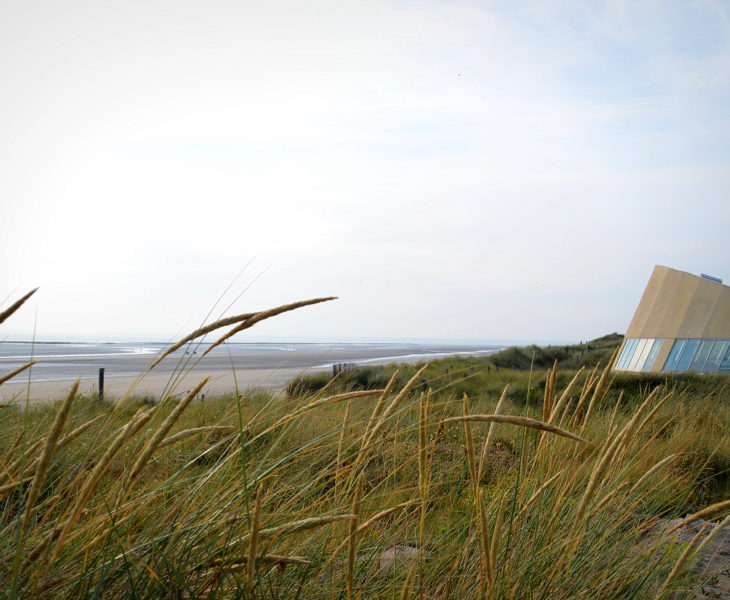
{"x":449,"y":169}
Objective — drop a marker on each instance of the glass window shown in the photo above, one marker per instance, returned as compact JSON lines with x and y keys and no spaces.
{"x":673,"y":357}
{"x":634,"y":364}
{"x":687,"y":355}
{"x":651,"y":358}
{"x":622,"y":356}
{"x":725,"y":360}
{"x":634,"y":350}
{"x":627,"y":353}
{"x":701,"y":355}
{"x":712,"y":363}
{"x":644,"y":354}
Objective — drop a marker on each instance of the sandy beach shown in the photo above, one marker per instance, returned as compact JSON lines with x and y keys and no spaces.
{"x":258,"y":366}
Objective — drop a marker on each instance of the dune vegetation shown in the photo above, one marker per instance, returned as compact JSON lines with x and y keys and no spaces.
{"x":481,"y":483}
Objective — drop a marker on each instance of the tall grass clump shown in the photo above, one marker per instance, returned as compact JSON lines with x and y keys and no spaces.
{"x":408,"y":489}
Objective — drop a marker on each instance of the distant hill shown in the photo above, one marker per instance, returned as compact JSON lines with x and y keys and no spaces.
{"x":471,"y":374}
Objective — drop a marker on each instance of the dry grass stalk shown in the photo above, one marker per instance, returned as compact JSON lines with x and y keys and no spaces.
{"x":614,"y":414}
{"x":104,"y":533}
{"x":540,"y":490}
{"x":490,"y":433}
{"x":681,"y":562}
{"x":585,"y":392}
{"x":422,"y":443}
{"x":352,"y":538}
{"x":564,"y":415}
{"x":423,"y":479}
{"x":17,"y":442}
{"x":549,"y":397}
{"x":653,"y":412}
{"x":610,"y":449}
{"x":17,"y":371}
{"x":312,"y":405}
{"x":434,"y":444}
{"x":93,"y":479}
{"x":370,"y":522}
{"x":378,"y":427}
{"x":275,"y":533}
{"x":598,"y":391}
{"x":701,"y":514}
{"x":253,"y":540}
{"x":514,"y":420}
{"x":444,"y":591}
{"x":15,"y":306}
{"x":709,"y":540}
{"x":470,"y":458}
{"x":392,"y":406}
{"x":379,"y":407}
{"x":12,"y":470}
{"x":406,"y":590}
{"x":244,"y":561}
{"x":597,"y":472}
{"x":9,"y":487}
{"x":658,"y":466}
{"x":632,"y":431}
{"x":182,"y":435}
{"x":422,"y":459}
{"x":157,"y":439}
{"x":229,"y":321}
{"x":612,"y":494}
{"x":547,"y":410}
{"x":265,"y":314}
{"x":46,"y":455}
{"x":341,"y":447}
{"x":496,"y":537}
{"x":486,"y":573}
{"x":560,"y":404}
{"x":71,"y":436}
{"x":384,"y":513}
{"x":297,"y":526}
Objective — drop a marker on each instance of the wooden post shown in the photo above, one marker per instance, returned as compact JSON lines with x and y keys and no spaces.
{"x":101,"y":384}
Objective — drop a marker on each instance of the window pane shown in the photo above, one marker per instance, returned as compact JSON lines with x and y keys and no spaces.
{"x":632,"y":350}
{"x":725,"y":360}
{"x":649,"y":364}
{"x":701,"y":355}
{"x":644,"y":354}
{"x":634,"y":364}
{"x":712,"y":363}
{"x":621,"y":355}
{"x":687,"y":354}
{"x":634,"y":354}
{"x":677,"y":348}
{"x":627,"y":353}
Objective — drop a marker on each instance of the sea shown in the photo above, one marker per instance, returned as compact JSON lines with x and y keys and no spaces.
{"x":60,"y":361}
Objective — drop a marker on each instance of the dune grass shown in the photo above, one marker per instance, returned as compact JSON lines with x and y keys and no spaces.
{"x":254,"y":495}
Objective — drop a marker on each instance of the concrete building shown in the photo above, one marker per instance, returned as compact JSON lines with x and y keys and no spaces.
{"x":682,"y":323}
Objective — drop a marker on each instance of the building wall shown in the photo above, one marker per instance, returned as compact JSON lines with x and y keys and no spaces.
{"x":680,"y":305}
{"x":676,"y":306}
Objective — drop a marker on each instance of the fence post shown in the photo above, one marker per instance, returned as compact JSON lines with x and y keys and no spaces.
{"x":101,"y":384}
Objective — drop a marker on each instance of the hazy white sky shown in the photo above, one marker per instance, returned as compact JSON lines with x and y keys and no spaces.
{"x":453,"y":169}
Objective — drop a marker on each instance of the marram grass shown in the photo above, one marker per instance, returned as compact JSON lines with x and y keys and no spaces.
{"x":261,"y":496}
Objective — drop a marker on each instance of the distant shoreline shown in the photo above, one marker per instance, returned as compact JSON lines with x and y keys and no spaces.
{"x":254,"y":364}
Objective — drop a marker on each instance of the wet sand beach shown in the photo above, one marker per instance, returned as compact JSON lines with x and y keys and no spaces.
{"x":242,"y":366}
